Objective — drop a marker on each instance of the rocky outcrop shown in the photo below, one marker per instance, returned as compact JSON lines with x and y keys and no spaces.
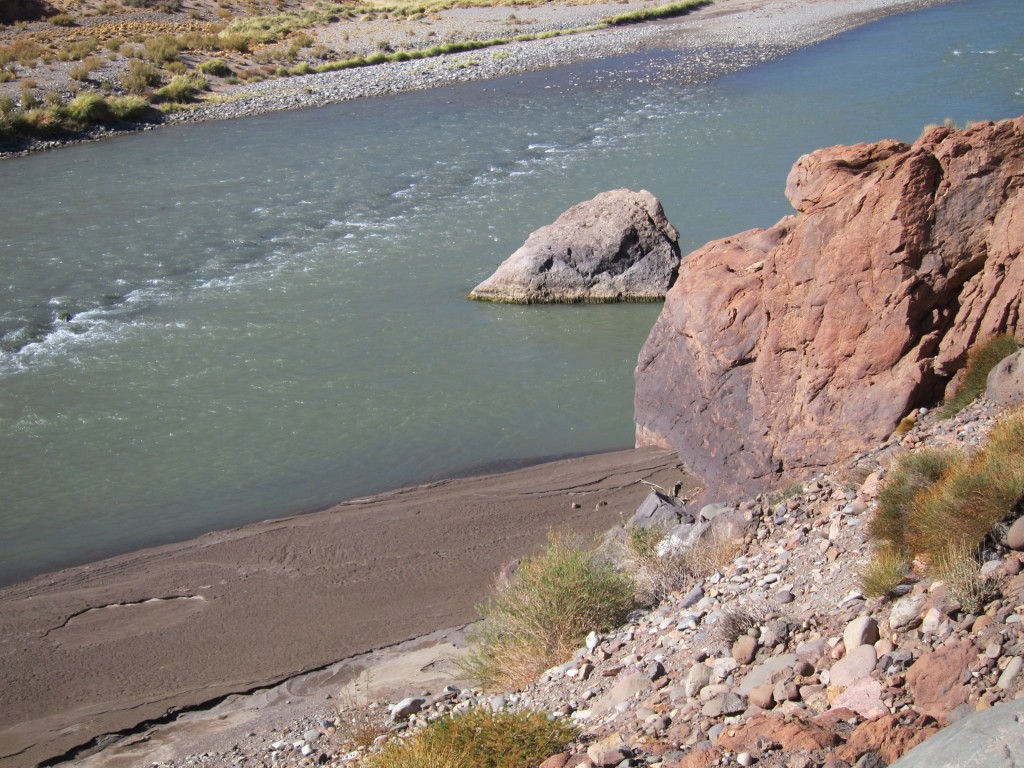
{"x":617,"y":247}
{"x":787,"y":349}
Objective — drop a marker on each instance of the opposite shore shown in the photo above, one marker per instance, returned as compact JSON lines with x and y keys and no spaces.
{"x":725,"y":37}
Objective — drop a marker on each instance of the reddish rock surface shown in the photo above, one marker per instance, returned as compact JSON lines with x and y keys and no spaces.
{"x":936,"y":679}
{"x":889,"y":737}
{"x":797,"y":733}
{"x":787,"y":349}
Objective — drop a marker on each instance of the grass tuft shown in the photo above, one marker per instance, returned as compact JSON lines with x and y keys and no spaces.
{"x":973,"y":496}
{"x":661,"y":12}
{"x":885,"y":572}
{"x":88,"y":108}
{"x":480,"y":738}
{"x":913,"y":472}
{"x":982,"y":358}
{"x":541,"y":616}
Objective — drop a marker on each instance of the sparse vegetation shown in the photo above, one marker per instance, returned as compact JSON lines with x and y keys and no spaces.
{"x":888,"y":567}
{"x":961,"y":571}
{"x":544,"y":612}
{"x":733,"y":624}
{"x":941,"y":507}
{"x":658,"y":574}
{"x":215,"y":67}
{"x":480,"y":739}
{"x":140,"y":77}
{"x":661,"y":12}
{"x":982,"y":358}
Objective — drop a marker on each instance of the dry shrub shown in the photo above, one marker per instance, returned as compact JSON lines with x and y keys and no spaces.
{"x":659,"y":571}
{"x":734,"y":623}
{"x":480,"y":738}
{"x":960,"y":569}
{"x":543,"y":613}
{"x":885,"y":572}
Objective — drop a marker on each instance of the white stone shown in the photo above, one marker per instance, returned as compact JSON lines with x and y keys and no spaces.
{"x":861,"y":631}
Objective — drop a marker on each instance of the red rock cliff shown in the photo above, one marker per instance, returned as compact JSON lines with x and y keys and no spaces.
{"x":789,"y":348}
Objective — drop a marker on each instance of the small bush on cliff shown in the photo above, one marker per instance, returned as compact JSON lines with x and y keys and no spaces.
{"x":544,"y":612}
{"x":913,"y":473}
{"x":981,"y":360}
{"x":480,"y":739}
{"x":973,"y":496}
{"x":940,"y":507}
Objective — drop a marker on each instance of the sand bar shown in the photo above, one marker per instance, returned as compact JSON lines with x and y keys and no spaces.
{"x":101,"y":648}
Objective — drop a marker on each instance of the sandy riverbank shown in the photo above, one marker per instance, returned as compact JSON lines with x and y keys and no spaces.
{"x":101,"y":648}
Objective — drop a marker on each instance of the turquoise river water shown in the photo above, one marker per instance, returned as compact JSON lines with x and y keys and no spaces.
{"x":269,"y":315}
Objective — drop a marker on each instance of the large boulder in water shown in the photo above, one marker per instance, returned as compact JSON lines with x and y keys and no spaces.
{"x":617,"y":247}
{"x":791,"y":348}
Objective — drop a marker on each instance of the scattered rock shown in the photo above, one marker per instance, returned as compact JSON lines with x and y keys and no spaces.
{"x":617,"y":247}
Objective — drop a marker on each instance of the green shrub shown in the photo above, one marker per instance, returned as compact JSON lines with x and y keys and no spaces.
{"x":140,"y":76}
{"x":480,"y":739}
{"x":661,"y":12}
{"x":912,"y":473}
{"x":544,"y":612}
{"x":181,"y":90}
{"x":63,"y":20}
{"x":128,"y":107}
{"x":215,"y":67}
{"x":88,"y":108}
{"x":982,"y":358}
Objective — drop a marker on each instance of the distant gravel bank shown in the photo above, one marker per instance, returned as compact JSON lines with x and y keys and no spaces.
{"x":728,"y":36}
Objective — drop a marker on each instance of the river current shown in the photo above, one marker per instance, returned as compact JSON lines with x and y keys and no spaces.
{"x":269,"y":315}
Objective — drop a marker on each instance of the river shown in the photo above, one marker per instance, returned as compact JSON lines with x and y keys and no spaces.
{"x":269,"y":315}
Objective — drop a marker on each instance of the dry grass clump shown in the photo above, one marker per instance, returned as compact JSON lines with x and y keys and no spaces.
{"x":656,"y":574}
{"x":913,"y":473}
{"x":940,"y":507}
{"x":734,"y":623}
{"x":961,"y":571}
{"x":542,"y":614}
{"x":885,"y":572}
{"x":981,"y":360}
{"x":973,"y":496}
{"x":480,"y":738}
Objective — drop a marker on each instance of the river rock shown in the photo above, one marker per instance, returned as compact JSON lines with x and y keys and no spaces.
{"x":617,"y":247}
{"x":789,"y":348}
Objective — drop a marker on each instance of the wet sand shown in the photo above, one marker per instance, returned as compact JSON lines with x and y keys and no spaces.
{"x":102,"y":648}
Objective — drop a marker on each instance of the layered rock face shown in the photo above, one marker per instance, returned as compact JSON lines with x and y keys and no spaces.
{"x":787,"y":349}
{"x":617,"y":247}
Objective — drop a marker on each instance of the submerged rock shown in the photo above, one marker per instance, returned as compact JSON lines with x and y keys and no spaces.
{"x":617,"y":247}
